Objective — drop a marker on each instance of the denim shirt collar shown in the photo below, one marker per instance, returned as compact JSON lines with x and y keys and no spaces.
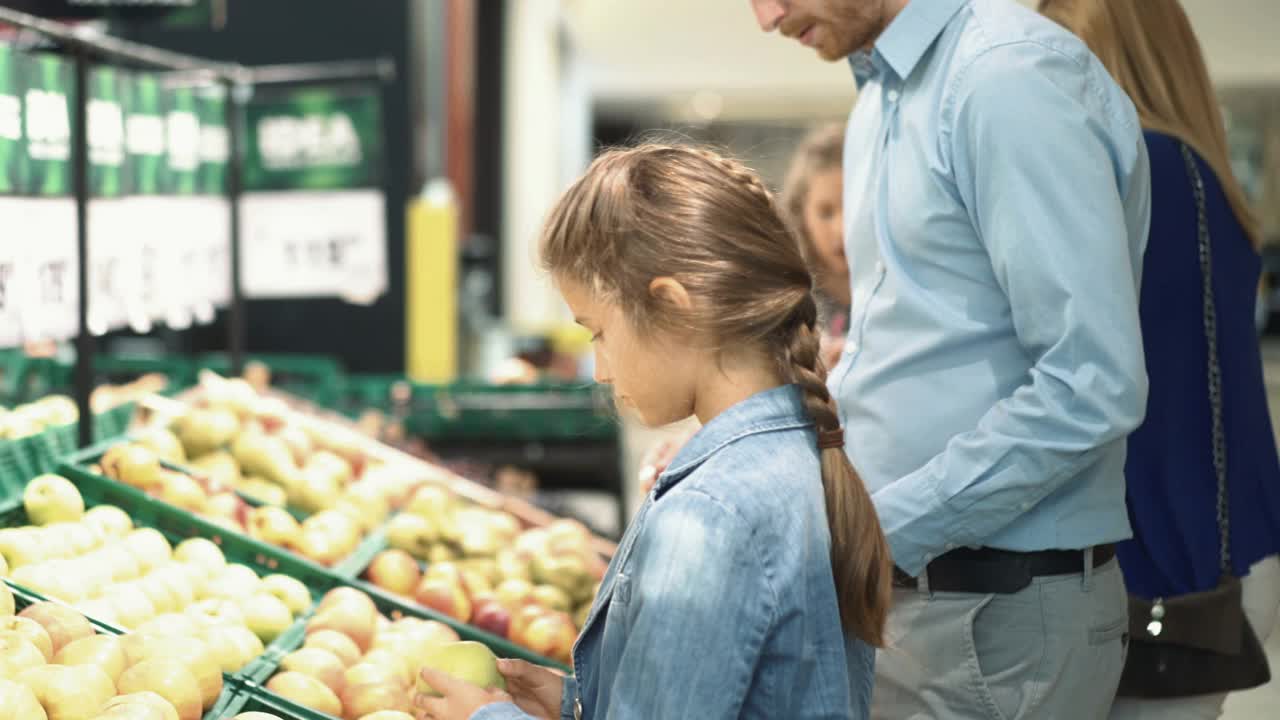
{"x":906,"y":40}
{"x":781,"y":408}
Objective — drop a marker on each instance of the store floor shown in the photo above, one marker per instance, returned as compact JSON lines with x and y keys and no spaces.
{"x":1252,"y":705}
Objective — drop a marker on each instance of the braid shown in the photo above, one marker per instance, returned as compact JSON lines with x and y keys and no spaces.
{"x":739,"y":174}
{"x":805,"y":365}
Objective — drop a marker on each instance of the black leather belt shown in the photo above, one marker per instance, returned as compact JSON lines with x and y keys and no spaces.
{"x":1003,"y":572}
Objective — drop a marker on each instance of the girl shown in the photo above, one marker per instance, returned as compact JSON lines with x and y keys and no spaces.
{"x":759,"y":543}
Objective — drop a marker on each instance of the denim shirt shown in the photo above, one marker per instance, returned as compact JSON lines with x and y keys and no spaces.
{"x":997,"y":195}
{"x":720,"y":602}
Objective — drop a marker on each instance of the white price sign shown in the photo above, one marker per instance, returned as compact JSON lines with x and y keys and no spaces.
{"x":314,"y":244}
{"x":49,"y":295}
{"x":110,"y":276}
{"x":11,"y":256}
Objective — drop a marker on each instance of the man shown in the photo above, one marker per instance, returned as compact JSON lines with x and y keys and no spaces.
{"x":996,"y":209}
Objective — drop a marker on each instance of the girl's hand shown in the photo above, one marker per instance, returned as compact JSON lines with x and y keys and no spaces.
{"x":459,"y":700}
{"x":535,"y":689}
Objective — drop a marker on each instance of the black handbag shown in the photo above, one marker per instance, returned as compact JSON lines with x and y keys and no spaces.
{"x":1197,"y":643}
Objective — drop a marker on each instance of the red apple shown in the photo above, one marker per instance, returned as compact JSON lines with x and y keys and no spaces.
{"x":63,"y":624}
{"x":491,"y":616}
{"x":343,"y":647}
{"x":319,"y":664}
{"x":445,"y":596}
{"x":349,"y":612}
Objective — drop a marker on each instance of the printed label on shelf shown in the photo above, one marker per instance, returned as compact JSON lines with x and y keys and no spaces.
{"x":314,"y":244}
{"x":11,"y":255}
{"x":111,"y":275}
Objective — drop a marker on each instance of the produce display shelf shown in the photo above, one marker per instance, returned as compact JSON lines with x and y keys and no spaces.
{"x":318,"y":378}
{"x":24,"y":458}
{"x":252,"y":697}
{"x":222,"y":708}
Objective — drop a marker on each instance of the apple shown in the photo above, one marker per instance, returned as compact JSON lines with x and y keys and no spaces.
{"x":176,"y":577}
{"x":315,"y":490}
{"x":164,"y":443}
{"x":80,"y":538}
{"x":216,"y":611}
{"x":159,"y":593}
{"x":201,"y":553}
{"x":306,"y":690}
{"x":491,"y":616}
{"x":369,"y":501}
{"x":173,"y":624}
{"x":444,"y":595}
{"x":69,"y":692}
{"x":104,"y":651}
{"x":204,"y":431}
{"x":514,"y":593}
{"x":188,"y":651}
{"x":18,"y":702}
{"x":384,"y":669}
{"x":263,"y":491}
{"x":182,"y":491}
{"x":63,"y":624}
{"x":168,"y":679}
{"x":412,"y":533}
{"x":135,"y":707}
{"x":266,"y":615}
{"x":133,"y":465}
{"x":100,"y":609}
{"x":7,"y":606}
{"x":388,"y":715}
{"x":110,"y":520}
{"x":341,"y":646}
{"x":123,"y":565}
{"x":265,"y":456}
{"x":18,"y":652}
{"x":148,"y":547}
{"x":347,"y":611}
{"x":360,"y":701}
{"x":326,"y":462}
{"x":236,"y":581}
{"x":336,"y":524}
{"x":552,"y":598}
{"x":273,"y":525}
{"x":300,"y":445}
{"x":395,"y":570}
{"x":319,"y":664}
{"x":476,"y":583}
{"x":290,"y":591}
{"x":4,"y":567}
{"x":551,"y":635}
{"x":247,"y":645}
{"x":20,"y":547}
{"x":430,"y":501}
{"x":52,"y":498}
{"x":521,"y":618}
{"x":225,"y":505}
{"x":468,"y":661}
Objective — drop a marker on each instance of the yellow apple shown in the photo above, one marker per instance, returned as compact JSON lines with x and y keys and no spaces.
{"x":52,"y":498}
{"x":7,"y":607}
{"x":18,"y":702}
{"x":319,"y":664}
{"x":69,"y":692}
{"x":233,"y":646}
{"x":133,"y":465}
{"x":412,"y":533}
{"x":140,"y":704}
{"x":387,"y":715}
{"x":236,"y":581}
{"x":468,"y":661}
{"x":201,"y":553}
{"x":264,"y":491}
{"x":359,"y":701}
{"x":343,"y":647}
{"x":273,"y":525}
{"x":104,"y":651}
{"x":182,"y":491}
{"x":266,"y":615}
{"x":306,"y":690}
{"x":168,"y":679}
{"x":445,"y":596}
{"x":377,"y":673}
{"x":110,"y":520}
{"x":396,"y":571}
{"x":148,"y":547}
{"x":348,"y":611}
{"x":216,"y":611}
{"x":17,"y":653}
{"x":21,"y":546}
{"x":188,"y":651}
{"x":291,"y":591}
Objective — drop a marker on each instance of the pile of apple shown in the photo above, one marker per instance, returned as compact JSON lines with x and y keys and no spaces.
{"x":240,"y":444}
{"x":98,"y":563}
{"x":533,"y":586}
{"x":54,"y":667}
{"x":34,"y":417}
{"x":356,"y":663}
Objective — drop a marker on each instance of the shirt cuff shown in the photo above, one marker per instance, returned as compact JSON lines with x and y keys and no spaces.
{"x":916,"y":524}
{"x":500,"y":711}
{"x":568,"y":696}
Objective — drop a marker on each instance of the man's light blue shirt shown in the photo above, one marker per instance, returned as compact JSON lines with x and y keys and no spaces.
{"x":997,"y":199}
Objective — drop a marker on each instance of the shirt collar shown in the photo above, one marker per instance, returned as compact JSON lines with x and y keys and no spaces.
{"x":906,"y":39}
{"x":781,"y":408}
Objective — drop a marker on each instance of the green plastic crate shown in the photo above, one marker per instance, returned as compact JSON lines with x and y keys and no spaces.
{"x":231,"y":687}
{"x":549,"y":411}
{"x":19,"y":462}
{"x":180,"y":371}
{"x":254,"y":698}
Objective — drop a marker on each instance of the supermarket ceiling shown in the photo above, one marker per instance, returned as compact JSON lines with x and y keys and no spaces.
{"x":682,"y":52}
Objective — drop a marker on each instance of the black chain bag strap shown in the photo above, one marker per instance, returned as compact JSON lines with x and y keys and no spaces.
{"x":1197,"y":643}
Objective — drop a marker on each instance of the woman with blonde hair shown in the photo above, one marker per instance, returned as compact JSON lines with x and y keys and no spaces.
{"x":1202,"y":471}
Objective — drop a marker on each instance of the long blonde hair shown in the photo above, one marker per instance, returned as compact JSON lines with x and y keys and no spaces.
{"x":710,"y":223}
{"x":1148,"y":46}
